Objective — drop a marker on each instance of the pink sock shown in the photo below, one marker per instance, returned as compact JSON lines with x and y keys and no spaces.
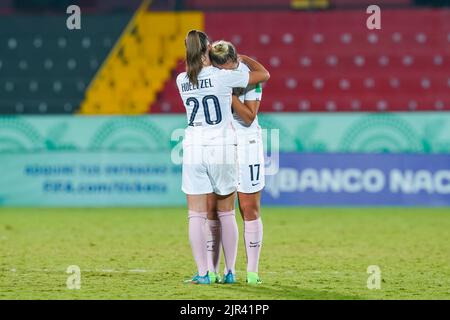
{"x":230,"y":238}
{"x":197,"y":239}
{"x":213,"y":241}
{"x":253,"y":235}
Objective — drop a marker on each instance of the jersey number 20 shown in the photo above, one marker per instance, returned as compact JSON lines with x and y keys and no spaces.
{"x":205,"y":104}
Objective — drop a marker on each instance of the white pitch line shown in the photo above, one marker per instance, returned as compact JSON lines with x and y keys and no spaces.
{"x":138,"y":270}
{"x":150,"y":271}
{"x":82,"y":270}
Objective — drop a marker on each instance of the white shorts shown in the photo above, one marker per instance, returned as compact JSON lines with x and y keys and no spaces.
{"x":208,"y":169}
{"x":251,"y":163}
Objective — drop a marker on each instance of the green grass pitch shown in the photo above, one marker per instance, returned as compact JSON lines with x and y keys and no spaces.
{"x":308,"y":253}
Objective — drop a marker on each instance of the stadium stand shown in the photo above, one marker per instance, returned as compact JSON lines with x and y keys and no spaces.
{"x":285,"y":4}
{"x":365,"y":3}
{"x":44,"y":67}
{"x":319,"y":60}
{"x":330,"y":61}
{"x":59,"y":6}
{"x":104,"y":68}
{"x":140,"y":63}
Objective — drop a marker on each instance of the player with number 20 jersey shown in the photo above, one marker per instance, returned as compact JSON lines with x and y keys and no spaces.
{"x":209,"y":157}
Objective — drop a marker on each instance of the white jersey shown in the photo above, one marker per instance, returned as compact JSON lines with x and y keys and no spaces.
{"x":208,"y":105}
{"x":250,"y":150}
{"x":251,"y":93}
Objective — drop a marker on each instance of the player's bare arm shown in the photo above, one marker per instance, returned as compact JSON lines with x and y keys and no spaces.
{"x":258,"y":73}
{"x":247,"y":110}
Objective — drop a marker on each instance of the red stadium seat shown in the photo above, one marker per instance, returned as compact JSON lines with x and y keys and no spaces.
{"x":330,"y":61}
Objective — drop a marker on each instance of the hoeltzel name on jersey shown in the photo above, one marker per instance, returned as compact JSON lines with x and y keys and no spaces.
{"x":202,"y":84}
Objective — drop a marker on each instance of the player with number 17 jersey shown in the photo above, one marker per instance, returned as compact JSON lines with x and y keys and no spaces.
{"x":250,"y":150}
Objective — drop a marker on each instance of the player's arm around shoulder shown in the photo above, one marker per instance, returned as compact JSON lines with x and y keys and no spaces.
{"x":246,"y":104}
{"x":258,"y":73}
{"x":246,"y":110}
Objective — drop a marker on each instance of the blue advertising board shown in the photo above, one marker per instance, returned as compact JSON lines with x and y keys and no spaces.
{"x":359,"y":180}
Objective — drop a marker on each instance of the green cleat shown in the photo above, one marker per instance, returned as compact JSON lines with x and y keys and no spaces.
{"x":214,"y":277}
{"x":253,"y":278}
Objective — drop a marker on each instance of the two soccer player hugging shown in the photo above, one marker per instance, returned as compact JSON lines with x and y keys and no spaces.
{"x":222,"y":154}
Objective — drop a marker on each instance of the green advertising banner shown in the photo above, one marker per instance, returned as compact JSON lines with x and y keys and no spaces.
{"x":126,"y":161}
{"x":417,"y":132}
{"x":90,"y":179}
{"x":299,"y":132}
{"x":90,"y":161}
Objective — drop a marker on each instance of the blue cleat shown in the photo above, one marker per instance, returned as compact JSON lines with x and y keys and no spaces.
{"x":200,"y":279}
{"x":229,"y":278}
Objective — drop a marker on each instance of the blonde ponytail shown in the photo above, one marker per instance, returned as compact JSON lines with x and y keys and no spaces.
{"x":222,"y":52}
